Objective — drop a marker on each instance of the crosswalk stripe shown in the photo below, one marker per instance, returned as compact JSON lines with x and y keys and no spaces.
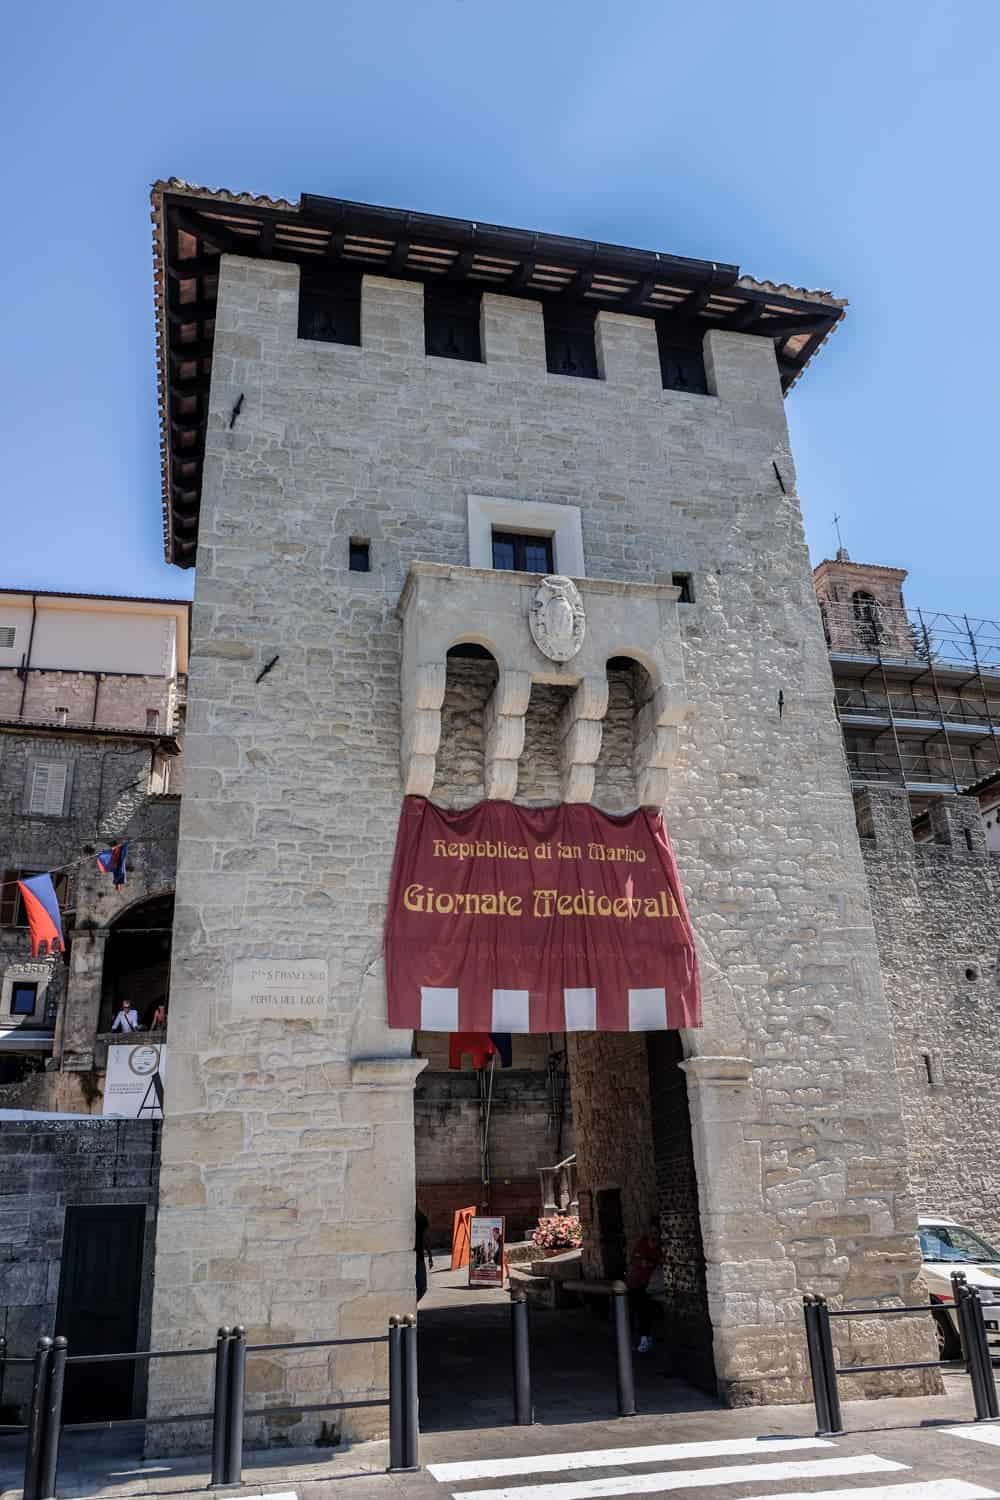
{"x":682,"y":1479}
{"x":929,"y":1489}
{"x":618,"y":1458}
{"x":977,"y":1434}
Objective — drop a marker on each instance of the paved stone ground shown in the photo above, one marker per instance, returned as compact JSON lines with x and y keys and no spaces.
{"x":905,"y":1449}
{"x":902,"y":1449}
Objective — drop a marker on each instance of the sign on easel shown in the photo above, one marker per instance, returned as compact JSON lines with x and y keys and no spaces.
{"x":486,"y":1252}
{"x":133,"y":1083}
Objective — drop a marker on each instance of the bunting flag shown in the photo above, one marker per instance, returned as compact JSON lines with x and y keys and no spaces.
{"x":44,"y":923}
{"x":479,"y":1045}
{"x":113,"y":862}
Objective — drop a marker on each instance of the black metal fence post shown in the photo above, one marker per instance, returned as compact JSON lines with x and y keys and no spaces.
{"x":397,"y":1411}
{"x":623,"y":1350}
{"x":411,"y":1425}
{"x":237,"y":1393}
{"x":989,"y":1379}
{"x":521,"y":1356}
{"x":817,"y":1372}
{"x":3,"y":1364}
{"x":829,"y":1364}
{"x":220,"y":1407}
{"x":36,"y":1419}
{"x":48,"y":1465}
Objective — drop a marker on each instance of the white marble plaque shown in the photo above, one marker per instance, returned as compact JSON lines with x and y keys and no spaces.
{"x":280,"y":989}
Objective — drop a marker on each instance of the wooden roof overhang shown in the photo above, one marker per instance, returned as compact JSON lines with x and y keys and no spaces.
{"x":194,"y":227}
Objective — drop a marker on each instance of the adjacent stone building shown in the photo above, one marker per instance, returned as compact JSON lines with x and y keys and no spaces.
{"x":91,"y":713}
{"x":378,"y":429}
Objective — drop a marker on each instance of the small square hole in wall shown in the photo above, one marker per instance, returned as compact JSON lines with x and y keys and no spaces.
{"x":685,"y":583}
{"x":360,"y":560}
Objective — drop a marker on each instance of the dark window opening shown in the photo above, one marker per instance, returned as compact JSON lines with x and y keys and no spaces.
{"x":682,"y":363}
{"x":360,"y":557}
{"x":451,"y":323}
{"x":330,"y":308}
{"x":968,"y":839}
{"x":569,"y":340}
{"x":683,"y":582}
{"x":23,"y":999}
{"x":928,"y":1062}
{"x":471,"y":651}
{"x":867,"y":624}
{"x":515,"y":552}
{"x":971,"y":973}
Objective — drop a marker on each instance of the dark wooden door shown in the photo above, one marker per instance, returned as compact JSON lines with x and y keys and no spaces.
{"x":99,"y":1284}
{"x":614,"y":1254}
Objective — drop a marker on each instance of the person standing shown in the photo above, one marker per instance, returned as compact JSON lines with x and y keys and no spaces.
{"x":647,"y":1257}
{"x":424,"y":1257}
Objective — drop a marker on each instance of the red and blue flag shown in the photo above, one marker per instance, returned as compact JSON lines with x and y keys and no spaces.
{"x":44,"y":923}
{"x":114,"y":863}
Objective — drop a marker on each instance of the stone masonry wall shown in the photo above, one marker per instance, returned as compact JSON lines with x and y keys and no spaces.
{"x":288,"y":1147}
{"x":45,"y":1166}
{"x":116,"y":700}
{"x":108,"y":801}
{"x":937,"y":916}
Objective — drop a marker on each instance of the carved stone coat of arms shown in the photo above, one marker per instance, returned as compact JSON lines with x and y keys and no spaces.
{"x":556,"y":618}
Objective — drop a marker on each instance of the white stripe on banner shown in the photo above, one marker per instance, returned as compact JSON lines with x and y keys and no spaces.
{"x":928,"y":1489}
{"x":683,"y":1479}
{"x":618,"y":1458}
{"x":511,"y":1010}
{"x":438,"y":1009}
{"x":647,"y":1010}
{"x":977,"y":1434}
{"x":581,"y":1010}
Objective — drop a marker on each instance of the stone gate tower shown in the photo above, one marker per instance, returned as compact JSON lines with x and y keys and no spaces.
{"x":377,"y":427}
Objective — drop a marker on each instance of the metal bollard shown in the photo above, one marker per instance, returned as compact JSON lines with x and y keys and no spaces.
{"x":623,"y":1350}
{"x":36,"y":1419}
{"x":521,"y":1354}
{"x":397,"y":1411}
{"x":989,"y":1379}
{"x":829,"y":1364}
{"x":821,"y":1399}
{"x":220,"y":1409}
{"x":48,"y":1466}
{"x":984,"y":1391}
{"x":411,"y":1425}
{"x":237,"y":1392}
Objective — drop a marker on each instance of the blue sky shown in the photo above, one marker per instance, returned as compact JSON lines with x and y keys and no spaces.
{"x":842,"y":145}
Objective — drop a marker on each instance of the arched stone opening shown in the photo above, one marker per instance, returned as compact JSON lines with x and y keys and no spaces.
{"x":137,"y":960}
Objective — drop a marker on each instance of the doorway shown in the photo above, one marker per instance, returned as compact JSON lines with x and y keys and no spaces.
{"x":99,"y":1288}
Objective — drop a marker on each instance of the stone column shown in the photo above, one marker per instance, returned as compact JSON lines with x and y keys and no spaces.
{"x":392,"y":316}
{"x":627,"y":353}
{"x":513,"y":335}
{"x":82,"y":1004}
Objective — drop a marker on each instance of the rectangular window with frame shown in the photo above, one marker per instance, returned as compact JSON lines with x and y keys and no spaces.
{"x":330,"y":307}
{"x":23,"y":997}
{"x":451,"y":322}
{"x":521,"y":553}
{"x":47,"y":792}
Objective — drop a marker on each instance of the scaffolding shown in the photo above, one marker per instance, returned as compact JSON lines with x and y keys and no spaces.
{"x":917,"y":693}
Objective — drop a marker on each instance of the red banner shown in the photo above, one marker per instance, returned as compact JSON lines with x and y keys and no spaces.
{"x":505,"y":918}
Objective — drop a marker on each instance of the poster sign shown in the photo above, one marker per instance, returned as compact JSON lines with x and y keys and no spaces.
{"x":280,"y":989}
{"x":133,"y":1083}
{"x":486,"y":1258}
{"x":505,"y":918}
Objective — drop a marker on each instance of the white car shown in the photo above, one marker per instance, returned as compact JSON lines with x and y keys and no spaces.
{"x":947,"y":1246}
